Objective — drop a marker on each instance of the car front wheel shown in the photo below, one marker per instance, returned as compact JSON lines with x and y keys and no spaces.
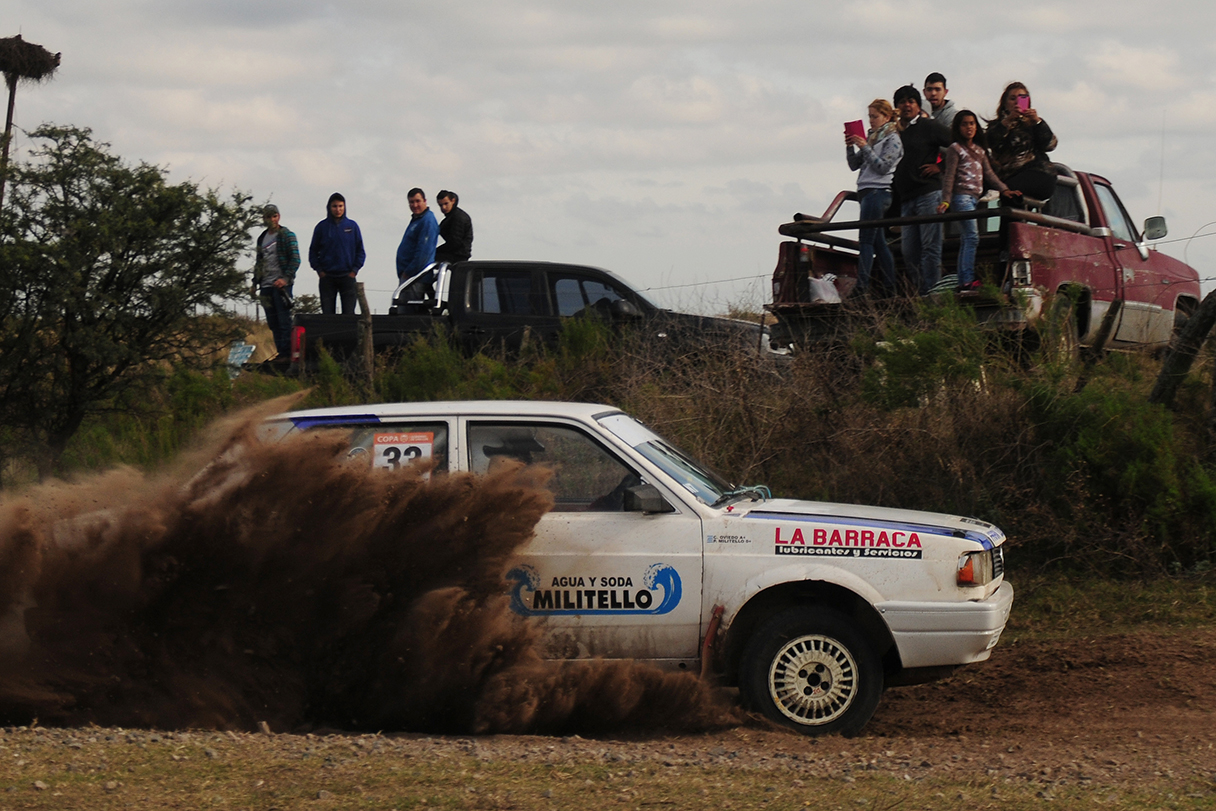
{"x":809,"y":669}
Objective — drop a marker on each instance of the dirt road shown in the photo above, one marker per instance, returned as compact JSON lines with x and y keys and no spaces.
{"x":1107,"y":717}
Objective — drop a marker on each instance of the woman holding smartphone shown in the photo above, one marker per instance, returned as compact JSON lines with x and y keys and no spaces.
{"x":876,"y":156}
{"x":1019,"y":142}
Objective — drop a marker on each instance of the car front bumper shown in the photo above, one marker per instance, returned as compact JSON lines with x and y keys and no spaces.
{"x":937,"y":634}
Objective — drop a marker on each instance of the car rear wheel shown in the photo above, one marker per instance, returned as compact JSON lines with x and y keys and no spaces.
{"x":810,"y":670}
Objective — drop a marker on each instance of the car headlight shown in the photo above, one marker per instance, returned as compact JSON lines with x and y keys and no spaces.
{"x":981,"y":568}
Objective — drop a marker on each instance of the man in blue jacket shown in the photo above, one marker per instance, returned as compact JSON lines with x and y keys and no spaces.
{"x":337,"y":254}
{"x":417,"y":248}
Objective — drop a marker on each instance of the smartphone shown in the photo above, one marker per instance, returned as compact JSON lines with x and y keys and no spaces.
{"x":855,"y":128}
{"x":1023,"y":103}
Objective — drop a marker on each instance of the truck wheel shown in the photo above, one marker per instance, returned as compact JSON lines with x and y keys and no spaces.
{"x":810,"y":670}
{"x":1183,"y":311}
{"x":1057,"y":333}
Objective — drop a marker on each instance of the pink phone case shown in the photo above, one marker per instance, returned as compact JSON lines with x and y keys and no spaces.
{"x":1023,"y":103}
{"x":855,"y":128}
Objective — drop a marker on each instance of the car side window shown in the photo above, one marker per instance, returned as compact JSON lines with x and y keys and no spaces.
{"x":573,"y":294}
{"x":396,"y":445}
{"x":1115,"y":215}
{"x":568,"y":296}
{"x":505,"y":292}
{"x":586,"y":476}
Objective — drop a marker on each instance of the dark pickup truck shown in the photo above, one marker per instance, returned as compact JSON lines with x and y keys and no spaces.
{"x":495,"y":304}
{"x":1077,"y":256}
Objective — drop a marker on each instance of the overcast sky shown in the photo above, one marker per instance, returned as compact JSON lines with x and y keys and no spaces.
{"x":665,"y":141}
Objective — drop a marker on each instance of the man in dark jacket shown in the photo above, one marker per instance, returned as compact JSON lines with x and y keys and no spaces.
{"x":918,"y":183}
{"x":274,"y":273}
{"x":336,"y":254}
{"x":456,"y":230}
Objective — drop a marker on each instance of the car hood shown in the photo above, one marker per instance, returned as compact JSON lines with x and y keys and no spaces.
{"x":794,"y":512}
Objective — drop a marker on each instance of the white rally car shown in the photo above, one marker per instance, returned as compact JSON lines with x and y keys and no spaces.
{"x":811,"y":608}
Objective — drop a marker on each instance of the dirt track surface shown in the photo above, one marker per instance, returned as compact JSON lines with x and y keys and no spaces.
{"x":1114,"y":709}
{"x":1113,"y":714}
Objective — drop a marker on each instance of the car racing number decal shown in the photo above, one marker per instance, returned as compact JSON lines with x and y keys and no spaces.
{"x":658,"y":591}
{"x":396,"y":450}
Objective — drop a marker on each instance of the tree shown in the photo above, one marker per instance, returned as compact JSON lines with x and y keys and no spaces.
{"x":110,"y":277}
{"x":1181,"y":355}
{"x":20,"y":61}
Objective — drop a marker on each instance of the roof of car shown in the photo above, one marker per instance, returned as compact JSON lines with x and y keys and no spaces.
{"x":475,"y":408}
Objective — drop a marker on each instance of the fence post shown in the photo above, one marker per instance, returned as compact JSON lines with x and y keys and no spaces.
{"x":365,"y":336}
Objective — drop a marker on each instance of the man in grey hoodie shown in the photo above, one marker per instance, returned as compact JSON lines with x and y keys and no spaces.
{"x":941,"y":109}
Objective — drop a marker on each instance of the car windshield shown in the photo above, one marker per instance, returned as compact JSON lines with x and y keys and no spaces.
{"x":703,"y":483}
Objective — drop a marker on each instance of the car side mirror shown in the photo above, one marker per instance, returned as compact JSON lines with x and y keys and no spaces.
{"x":625,"y":309}
{"x":646,"y":498}
{"x":1155,"y":228}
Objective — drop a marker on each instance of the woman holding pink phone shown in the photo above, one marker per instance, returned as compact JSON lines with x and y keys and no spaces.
{"x":876,"y":155}
{"x":1019,"y":142}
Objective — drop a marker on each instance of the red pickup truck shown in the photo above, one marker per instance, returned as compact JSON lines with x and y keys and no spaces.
{"x":1076,"y":255}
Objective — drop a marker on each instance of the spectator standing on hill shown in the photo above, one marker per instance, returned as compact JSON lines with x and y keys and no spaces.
{"x":1019,"y":141}
{"x":456,"y":229}
{"x":336,"y":254}
{"x":876,"y":156}
{"x":941,"y":109}
{"x":274,"y":274}
{"x":417,"y":248}
{"x":918,"y":183}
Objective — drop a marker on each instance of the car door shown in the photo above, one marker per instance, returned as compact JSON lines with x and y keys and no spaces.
{"x":500,"y":306}
{"x":576,"y":295}
{"x":1147,"y":317}
{"x":606,"y":581}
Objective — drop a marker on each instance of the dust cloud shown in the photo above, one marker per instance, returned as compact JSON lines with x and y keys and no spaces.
{"x":255,"y":581}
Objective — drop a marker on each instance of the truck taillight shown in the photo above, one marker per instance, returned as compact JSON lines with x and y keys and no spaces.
{"x":297,"y":344}
{"x":1020,"y":272}
{"x":975,"y":568}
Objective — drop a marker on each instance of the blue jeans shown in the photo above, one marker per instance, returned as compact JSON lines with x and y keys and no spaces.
{"x":968,"y":238}
{"x":331,"y":287}
{"x":873,"y":241}
{"x":278,"y":316}
{"x":922,"y":244}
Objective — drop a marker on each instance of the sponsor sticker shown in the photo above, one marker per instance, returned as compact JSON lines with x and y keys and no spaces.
{"x":397,"y":450}
{"x":848,"y":543}
{"x":657,"y":591}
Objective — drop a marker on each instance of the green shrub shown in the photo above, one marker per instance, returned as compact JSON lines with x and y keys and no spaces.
{"x":909,"y":363}
{"x":1114,"y":458}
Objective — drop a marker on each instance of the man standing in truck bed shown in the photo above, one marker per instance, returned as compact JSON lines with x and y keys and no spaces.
{"x":417,"y":248}
{"x":336,"y":254}
{"x":941,"y":109}
{"x":918,"y":182}
{"x":456,"y":229}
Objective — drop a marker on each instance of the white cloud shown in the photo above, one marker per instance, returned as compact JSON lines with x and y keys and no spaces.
{"x":1121,"y":65}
